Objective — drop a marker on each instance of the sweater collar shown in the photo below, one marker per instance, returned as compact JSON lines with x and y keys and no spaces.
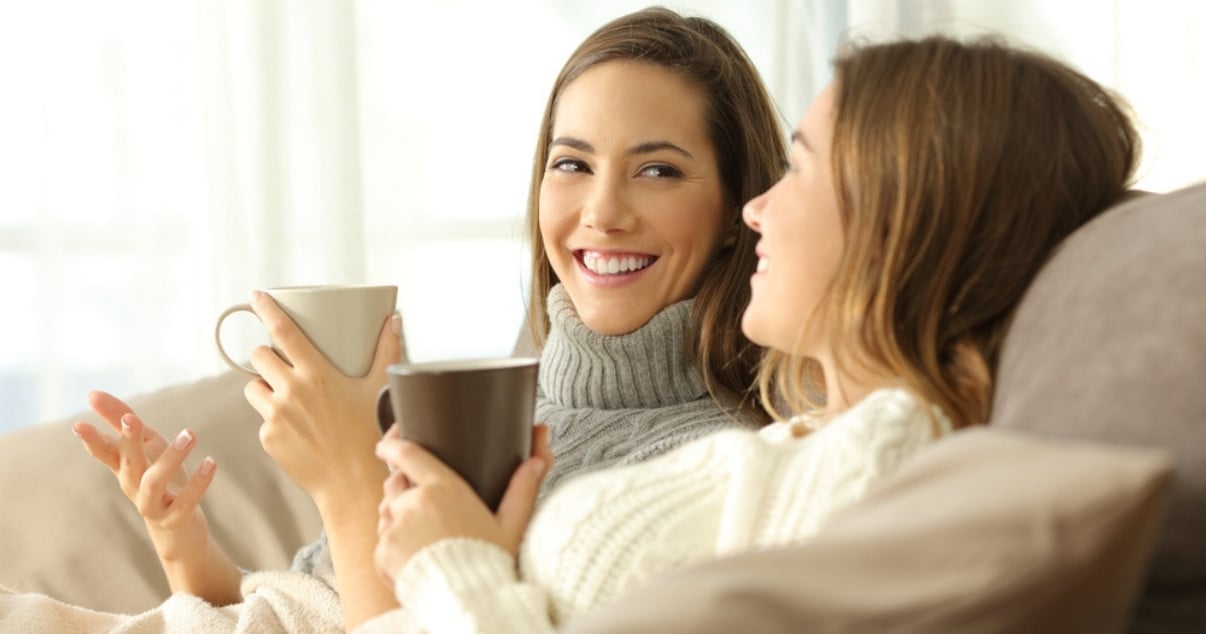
{"x":643,"y":369}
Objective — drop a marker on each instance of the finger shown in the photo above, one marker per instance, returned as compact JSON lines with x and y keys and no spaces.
{"x":388,"y":447}
{"x":274,"y":370}
{"x":99,"y":446}
{"x":155,"y":479}
{"x":540,"y":443}
{"x":189,"y":497}
{"x":396,"y":484}
{"x":515,"y":509}
{"x":381,"y":563}
{"x":385,"y":517}
{"x":109,"y":408}
{"x":133,"y":462}
{"x":288,"y":337}
{"x":418,"y":465}
{"x":259,"y":396}
{"x":389,"y":347}
{"x":153,"y":442}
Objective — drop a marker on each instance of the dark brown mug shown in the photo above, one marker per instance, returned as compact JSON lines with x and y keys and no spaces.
{"x":474,"y":415}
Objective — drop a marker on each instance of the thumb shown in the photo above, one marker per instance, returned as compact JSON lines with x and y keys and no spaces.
{"x":515,"y":509}
{"x":389,"y":345}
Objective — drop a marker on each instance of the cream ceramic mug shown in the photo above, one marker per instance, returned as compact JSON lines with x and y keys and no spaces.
{"x":343,"y":322}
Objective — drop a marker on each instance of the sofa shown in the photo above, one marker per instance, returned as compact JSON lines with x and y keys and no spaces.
{"x":1081,"y":507}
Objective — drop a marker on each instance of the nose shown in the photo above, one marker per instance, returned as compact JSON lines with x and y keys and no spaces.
{"x":751,"y":213}
{"x":607,"y":208}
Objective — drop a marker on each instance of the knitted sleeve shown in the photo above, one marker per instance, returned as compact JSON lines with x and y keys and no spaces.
{"x":468,"y":585}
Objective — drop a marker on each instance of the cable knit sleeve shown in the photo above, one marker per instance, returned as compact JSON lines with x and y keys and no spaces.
{"x":468,"y":585}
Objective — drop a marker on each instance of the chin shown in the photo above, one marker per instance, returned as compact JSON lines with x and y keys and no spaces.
{"x":609,"y":326}
{"x":749,"y":328}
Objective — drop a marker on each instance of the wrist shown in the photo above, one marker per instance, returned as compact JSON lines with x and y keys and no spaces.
{"x":354,"y":490}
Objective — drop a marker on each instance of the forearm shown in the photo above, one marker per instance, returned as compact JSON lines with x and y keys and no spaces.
{"x":207,"y":573}
{"x":350,"y":522}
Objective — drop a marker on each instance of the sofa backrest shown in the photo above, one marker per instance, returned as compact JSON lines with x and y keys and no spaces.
{"x":1109,"y":345}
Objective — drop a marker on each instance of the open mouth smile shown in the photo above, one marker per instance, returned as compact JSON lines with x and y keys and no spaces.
{"x":613,"y":264}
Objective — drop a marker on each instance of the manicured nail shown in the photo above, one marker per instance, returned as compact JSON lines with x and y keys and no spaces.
{"x":395,"y":324}
{"x":183,"y":440}
{"x":125,"y":424}
{"x":207,"y":466}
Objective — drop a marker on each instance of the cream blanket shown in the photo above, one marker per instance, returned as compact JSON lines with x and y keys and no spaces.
{"x":273,"y":601}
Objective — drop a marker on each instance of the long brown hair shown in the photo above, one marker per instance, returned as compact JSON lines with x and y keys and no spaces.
{"x":748,"y":141}
{"x":958,"y":168}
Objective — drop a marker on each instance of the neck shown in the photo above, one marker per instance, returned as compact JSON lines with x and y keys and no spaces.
{"x":844,"y":389}
{"x":646,"y":368}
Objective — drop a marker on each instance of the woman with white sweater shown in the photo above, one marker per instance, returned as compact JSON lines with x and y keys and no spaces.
{"x":927,"y":185}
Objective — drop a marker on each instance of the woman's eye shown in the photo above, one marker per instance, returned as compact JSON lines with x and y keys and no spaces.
{"x":661,"y":171}
{"x":572,"y":166}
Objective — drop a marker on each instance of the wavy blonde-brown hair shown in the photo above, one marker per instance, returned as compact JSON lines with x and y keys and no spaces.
{"x":958,"y":168}
{"x":747,"y":137}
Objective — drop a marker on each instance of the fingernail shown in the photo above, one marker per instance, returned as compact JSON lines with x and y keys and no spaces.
{"x":256,"y":296}
{"x":539,"y":466}
{"x":395,"y":324}
{"x":183,"y":440}
{"x":207,"y":466}
{"x":125,"y":424}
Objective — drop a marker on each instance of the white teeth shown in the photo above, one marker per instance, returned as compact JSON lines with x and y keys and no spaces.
{"x":763,"y":264}
{"x":604,"y":265}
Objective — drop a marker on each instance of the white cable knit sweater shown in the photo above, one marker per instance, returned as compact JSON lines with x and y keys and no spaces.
{"x":608,"y":532}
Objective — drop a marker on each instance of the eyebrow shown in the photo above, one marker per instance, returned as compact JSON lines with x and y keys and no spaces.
{"x":798,"y":137}
{"x":647,"y":147}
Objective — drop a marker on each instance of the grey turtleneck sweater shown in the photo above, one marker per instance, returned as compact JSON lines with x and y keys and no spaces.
{"x":616,"y":400}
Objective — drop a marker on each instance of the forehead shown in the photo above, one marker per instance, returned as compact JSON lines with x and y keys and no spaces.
{"x":817,"y":122}
{"x":635,"y":100}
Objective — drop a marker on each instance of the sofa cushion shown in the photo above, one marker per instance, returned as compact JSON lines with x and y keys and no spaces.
{"x":986,"y":531}
{"x":69,"y":532}
{"x":1110,"y":345}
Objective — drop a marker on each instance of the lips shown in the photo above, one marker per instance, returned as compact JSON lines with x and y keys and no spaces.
{"x":614,"y":263}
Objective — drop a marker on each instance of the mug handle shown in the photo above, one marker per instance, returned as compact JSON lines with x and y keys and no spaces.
{"x":218,"y":339}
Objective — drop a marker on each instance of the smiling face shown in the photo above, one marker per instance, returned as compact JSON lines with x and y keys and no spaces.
{"x":631,"y":203}
{"x":801,"y":242}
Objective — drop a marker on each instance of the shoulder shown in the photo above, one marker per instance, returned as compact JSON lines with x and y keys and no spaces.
{"x":885,"y":427}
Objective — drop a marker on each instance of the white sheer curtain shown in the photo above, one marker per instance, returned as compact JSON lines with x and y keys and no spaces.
{"x":159,"y":159}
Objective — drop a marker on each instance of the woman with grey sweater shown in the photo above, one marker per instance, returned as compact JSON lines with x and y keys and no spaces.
{"x":656,"y":130}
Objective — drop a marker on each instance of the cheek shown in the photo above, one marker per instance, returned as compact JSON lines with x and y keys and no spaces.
{"x":552,"y":216}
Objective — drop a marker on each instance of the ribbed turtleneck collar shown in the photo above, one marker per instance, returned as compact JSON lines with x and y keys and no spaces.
{"x":643,"y":369}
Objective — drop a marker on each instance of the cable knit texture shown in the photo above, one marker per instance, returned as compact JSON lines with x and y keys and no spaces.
{"x":618,"y":400}
{"x":608,"y":532}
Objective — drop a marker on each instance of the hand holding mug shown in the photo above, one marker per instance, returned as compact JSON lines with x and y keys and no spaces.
{"x":475,"y":416}
{"x":425,"y":501}
{"x":319,"y":424}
